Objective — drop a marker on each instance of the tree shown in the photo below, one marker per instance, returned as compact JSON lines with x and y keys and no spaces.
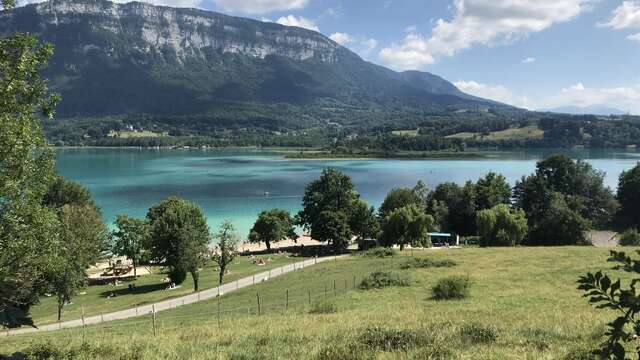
{"x":84,"y":237}
{"x":329,"y":201}
{"x":407,"y":225}
{"x":501,"y":226}
{"x":363,"y":221}
{"x":492,"y":190}
{"x":129,"y":239}
{"x":64,"y":192}
{"x":227,"y":248}
{"x":273,"y":226}
{"x":457,"y":205}
{"x":629,"y":197}
{"x":605,"y":293}
{"x":179,"y":238}
{"x":28,"y":230}
{"x":560,"y":225}
{"x":401,"y":197}
{"x":333,"y":227}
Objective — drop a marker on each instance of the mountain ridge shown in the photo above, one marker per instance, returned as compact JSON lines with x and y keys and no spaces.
{"x":136,"y":58}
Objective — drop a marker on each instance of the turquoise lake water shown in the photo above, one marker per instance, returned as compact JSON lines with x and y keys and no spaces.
{"x":232,"y":185}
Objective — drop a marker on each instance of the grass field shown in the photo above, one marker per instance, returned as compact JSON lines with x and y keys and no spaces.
{"x":409,"y":133}
{"x":150,"y":289}
{"x":528,"y":132}
{"x":523,"y":305}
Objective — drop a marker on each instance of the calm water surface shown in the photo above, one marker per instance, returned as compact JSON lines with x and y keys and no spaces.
{"x":232,"y":185}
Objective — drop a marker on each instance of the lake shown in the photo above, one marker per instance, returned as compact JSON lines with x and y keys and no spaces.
{"x":237,"y":185}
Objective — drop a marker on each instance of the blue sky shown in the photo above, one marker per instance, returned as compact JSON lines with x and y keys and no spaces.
{"x":536,"y":54}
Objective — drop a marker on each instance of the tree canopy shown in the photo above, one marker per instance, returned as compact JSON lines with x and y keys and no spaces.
{"x":501,"y":226}
{"x":273,"y":226}
{"x":130,"y":238}
{"x":407,"y":225}
{"x":629,"y":197}
{"x":179,"y":237}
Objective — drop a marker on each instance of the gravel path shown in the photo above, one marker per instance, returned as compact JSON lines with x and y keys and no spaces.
{"x":172,"y":303}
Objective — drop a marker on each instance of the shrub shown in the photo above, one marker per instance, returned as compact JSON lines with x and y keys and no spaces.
{"x":380,"y":252}
{"x":425,"y":263}
{"x":452,"y":288}
{"x":324,"y":307}
{"x":384,"y":339}
{"x":379,"y":280}
{"x":630,"y":237}
{"x":479,"y":334}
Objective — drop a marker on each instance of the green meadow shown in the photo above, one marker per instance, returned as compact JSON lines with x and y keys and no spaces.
{"x":523,"y":304}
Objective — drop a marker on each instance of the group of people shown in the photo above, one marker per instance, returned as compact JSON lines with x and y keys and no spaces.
{"x":259,"y":261}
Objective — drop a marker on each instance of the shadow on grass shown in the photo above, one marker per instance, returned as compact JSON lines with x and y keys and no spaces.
{"x":123,"y":291}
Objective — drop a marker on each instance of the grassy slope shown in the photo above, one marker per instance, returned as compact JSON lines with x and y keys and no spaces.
{"x":528,"y":132}
{"x":150,"y":289}
{"x":528,"y":294}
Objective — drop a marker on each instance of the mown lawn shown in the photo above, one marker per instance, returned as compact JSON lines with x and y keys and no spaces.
{"x":150,"y":289}
{"x":523,"y":305}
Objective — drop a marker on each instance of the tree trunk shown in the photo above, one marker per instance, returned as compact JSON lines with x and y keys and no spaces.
{"x":268,"y":245}
{"x":195,"y":276}
{"x":135,"y":270}
{"x":60,"y":305}
{"x":401,"y":247}
{"x":221,"y":275}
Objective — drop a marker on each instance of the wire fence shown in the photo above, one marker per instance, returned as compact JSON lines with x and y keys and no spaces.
{"x":218,"y":303}
{"x":262,"y":301}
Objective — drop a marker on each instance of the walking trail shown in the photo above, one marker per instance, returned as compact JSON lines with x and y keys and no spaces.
{"x":172,"y":303}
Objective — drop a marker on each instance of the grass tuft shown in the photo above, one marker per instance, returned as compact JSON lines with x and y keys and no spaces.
{"x":476,"y":333}
{"x":380,"y":252}
{"x":381,"y":279}
{"x":426,"y":263}
{"x":324,"y":306}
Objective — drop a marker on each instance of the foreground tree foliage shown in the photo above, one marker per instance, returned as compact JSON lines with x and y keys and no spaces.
{"x":28,"y":230}
{"x":273,"y":226}
{"x":130,"y":239}
{"x":501,"y":226}
{"x":179,"y":238}
{"x":227,"y":248}
{"x":605,"y":293}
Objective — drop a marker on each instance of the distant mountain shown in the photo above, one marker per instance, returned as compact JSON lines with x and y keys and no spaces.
{"x":588,"y":110}
{"x":136,"y":58}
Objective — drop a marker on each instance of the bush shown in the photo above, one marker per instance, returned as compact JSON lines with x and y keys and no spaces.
{"x":479,"y":334}
{"x":425,"y":263}
{"x":379,"y":280}
{"x":630,"y":237}
{"x":324,"y":307}
{"x":452,"y":288}
{"x":380,"y":252}
{"x":383,"y":339}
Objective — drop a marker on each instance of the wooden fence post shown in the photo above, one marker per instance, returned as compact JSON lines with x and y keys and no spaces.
{"x":259,"y":309}
{"x":354,"y":281}
{"x":219,"y":307}
{"x":83,"y":326}
{"x":286,"y":303}
{"x":153,"y":318}
{"x":309,"y":291}
{"x":334,"y":287}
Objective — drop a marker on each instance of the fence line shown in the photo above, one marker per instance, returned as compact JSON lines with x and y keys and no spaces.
{"x":258,"y":306}
{"x":152,"y":309}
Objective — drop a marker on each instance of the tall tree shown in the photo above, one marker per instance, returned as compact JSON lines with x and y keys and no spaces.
{"x":84,"y":238}
{"x":28,"y":230}
{"x":179,"y":238}
{"x":64,"y":192}
{"x":227,"y":248}
{"x":363,"y":221}
{"x":129,"y":239}
{"x":629,"y":197}
{"x":492,"y":190}
{"x":328,"y":200}
{"x":401,"y":197}
{"x":273,"y":226}
{"x":407,"y":225}
{"x":457,"y":205}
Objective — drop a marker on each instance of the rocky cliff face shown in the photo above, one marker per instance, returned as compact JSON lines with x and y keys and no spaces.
{"x":135,"y":58}
{"x":184,"y":33}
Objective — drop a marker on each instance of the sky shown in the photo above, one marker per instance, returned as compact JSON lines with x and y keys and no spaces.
{"x":535,"y":54}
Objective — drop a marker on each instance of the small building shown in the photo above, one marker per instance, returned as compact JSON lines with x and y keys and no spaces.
{"x":444,"y":239}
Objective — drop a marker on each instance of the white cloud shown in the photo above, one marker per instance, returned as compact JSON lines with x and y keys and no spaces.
{"x":485,"y":22}
{"x":529,"y":60}
{"x":172,"y":3}
{"x":362,"y":45}
{"x":634,"y":37}
{"x":298,"y":21}
{"x":494,"y":92}
{"x":625,"y":98}
{"x":261,"y":6}
{"x":624,"y":16}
